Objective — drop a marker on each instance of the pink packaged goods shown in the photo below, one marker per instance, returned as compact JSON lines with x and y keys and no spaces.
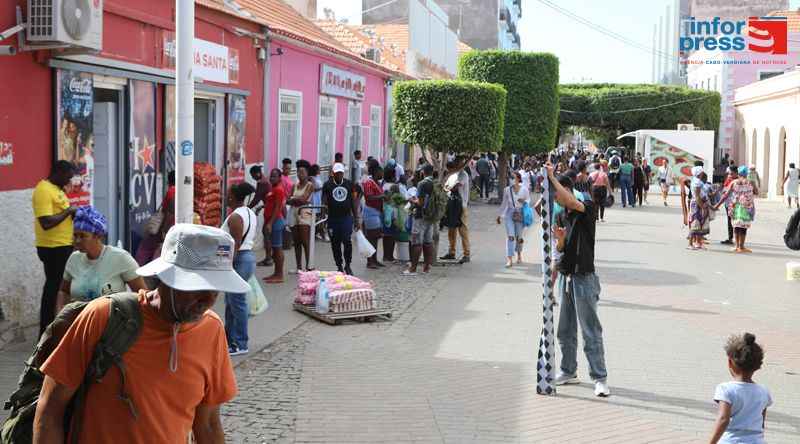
{"x":313,"y":277}
{"x":335,"y":283}
{"x":305,"y":299}
{"x":352,"y":300}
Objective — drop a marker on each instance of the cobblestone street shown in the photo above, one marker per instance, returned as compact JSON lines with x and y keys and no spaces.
{"x":456,"y":363}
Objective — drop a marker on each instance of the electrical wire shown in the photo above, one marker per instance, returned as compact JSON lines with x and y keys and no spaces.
{"x":638,"y":109}
{"x":607,"y":32}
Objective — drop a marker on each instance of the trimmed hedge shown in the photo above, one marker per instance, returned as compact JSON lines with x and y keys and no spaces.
{"x":596,"y":105}
{"x":450,"y":116}
{"x":531,"y":80}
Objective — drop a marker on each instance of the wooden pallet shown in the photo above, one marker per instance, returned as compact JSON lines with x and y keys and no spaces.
{"x":336,"y":318}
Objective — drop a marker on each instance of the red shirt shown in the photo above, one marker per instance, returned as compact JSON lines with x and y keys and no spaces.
{"x":275,"y":198}
{"x":727,"y":182}
{"x":372,"y":189}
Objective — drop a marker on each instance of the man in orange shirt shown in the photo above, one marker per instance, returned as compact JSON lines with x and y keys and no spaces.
{"x":172,"y":391}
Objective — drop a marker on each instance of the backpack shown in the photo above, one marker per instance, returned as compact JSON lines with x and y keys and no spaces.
{"x":615,"y":162}
{"x":123,"y":328}
{"x":792,"y":236}
{"x":455,"y":208}
{"x":436,"y":204}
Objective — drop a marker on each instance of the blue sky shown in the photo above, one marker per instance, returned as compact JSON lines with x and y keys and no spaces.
{"x":583,"y":52}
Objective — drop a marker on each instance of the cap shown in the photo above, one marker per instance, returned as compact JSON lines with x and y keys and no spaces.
{"x":196,"y":258}
{"x":697,"y":171}
{"x":752,"y":167}
{"x":391,"y":162}
{"x":338,"y":168}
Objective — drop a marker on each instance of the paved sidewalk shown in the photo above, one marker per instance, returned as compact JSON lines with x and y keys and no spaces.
{"x":457,"y":365}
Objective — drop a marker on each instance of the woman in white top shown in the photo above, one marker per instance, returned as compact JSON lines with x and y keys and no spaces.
{"x":793,"y":176}
{"x":665,"y":179}
{"x":241,"y":225}
{"x":515,"y":196}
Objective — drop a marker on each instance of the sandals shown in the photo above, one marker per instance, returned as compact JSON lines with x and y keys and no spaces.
{"x":409,"y":273}
{"x":273,"y":280}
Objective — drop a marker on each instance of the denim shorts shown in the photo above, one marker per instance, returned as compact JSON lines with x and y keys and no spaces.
{"x":373,"y":219}
{"x":276,"y":235}
{"x":422,"y":233}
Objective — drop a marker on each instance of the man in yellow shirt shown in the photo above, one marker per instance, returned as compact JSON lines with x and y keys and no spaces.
{"x":53,"y":226}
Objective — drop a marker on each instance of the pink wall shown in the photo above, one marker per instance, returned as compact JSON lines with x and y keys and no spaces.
{"x":298,"y":69}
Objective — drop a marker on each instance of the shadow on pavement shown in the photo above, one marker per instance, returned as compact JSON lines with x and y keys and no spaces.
{"x":668,"y":308}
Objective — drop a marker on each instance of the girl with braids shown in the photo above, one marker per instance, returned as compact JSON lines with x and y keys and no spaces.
{"x":742,"y":403}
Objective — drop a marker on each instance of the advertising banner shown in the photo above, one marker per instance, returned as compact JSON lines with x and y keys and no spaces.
{"x":338,"y":82}
{"x":142,"y":172}
{"x":74,"y":103}
{"x":212,"y":62}
{"x":235,"y":141}
{"x":680,"y":161}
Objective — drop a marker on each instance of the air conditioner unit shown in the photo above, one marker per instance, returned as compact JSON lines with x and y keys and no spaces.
{"x":373,"y":54}
{"x":71,"y":22}
{"x":685,"y":127}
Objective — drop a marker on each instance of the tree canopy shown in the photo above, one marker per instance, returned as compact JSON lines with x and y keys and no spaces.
{"x":531,"y":80}
{"x":450,"y":116}
{"x":622,"y":107}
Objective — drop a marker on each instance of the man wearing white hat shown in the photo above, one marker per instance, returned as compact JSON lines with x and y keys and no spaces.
{"x":337,"y":196}
{"x":176,"y":373}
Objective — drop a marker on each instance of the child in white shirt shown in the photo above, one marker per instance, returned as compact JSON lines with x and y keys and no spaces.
{"x":742,"y":403}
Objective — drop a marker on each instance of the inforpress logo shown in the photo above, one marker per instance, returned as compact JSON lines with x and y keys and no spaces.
{"x":769,"y":34}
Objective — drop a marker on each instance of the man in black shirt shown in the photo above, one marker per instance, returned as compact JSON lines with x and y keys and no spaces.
{"x":580,"y":288}
{"x":263,"y":187}
{"x":337,"y":195}
{"x":422,"y":231}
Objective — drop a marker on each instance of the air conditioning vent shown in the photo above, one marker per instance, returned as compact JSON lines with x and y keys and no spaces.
{"x":71,"y":22}
{"x":373,"y":54}
{"x":685,"y":127}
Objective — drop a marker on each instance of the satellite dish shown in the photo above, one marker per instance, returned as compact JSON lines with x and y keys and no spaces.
{"x":76,"y":15}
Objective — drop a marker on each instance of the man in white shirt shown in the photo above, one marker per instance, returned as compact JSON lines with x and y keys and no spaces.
{"x":459,"y":182}
{"x":527,"y":177}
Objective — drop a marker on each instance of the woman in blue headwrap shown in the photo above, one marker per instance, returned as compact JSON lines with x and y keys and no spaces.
{"x":741,"y":207}
{"x":95,"y":269}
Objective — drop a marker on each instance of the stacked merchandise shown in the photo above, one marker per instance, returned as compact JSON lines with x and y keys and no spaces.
{"x":347,"y":293}
{"x":207,"y":194}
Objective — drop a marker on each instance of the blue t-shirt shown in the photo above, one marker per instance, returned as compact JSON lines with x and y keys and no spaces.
{"x":748,"y":401}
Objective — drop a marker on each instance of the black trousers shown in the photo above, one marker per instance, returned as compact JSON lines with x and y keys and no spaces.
{"x":340,"y":230}
{"x":54,"y":260}
{"x":638,"y":192}
{"x":730,"y":229}
{"x":600,"y":194}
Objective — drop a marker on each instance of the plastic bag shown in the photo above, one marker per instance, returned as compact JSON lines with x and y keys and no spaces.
{"x":365,"y":249}
{"x":527,"y":214}
{"x":256,"y":301}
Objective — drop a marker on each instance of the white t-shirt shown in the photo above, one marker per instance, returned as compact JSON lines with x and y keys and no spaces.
{"x":463,"y":178}
{"x":248,"y":221}
{"x":527,"y":176}
{"x":356,"y":171}
{"x":748,"y":401}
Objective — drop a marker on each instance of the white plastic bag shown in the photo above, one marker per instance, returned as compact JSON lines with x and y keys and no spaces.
{"x":256,"y":301}
{"x":365,"y":249}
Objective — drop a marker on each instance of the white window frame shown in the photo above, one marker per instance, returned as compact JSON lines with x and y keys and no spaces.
{"x":294,"y":94}
{"x":354,"y":128}
{"x":375,"y":151}
{"x":324,"y":100}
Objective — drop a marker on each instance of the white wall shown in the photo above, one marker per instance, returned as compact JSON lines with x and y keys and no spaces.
{"x":21,"y":272}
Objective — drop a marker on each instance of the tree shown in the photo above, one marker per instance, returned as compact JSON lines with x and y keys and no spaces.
{"x":449,"y":116}
{"x":621,"y":108}
{"x":531,"y":80}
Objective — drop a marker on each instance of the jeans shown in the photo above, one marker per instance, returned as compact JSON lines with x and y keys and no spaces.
{"x":276,"y":235}
{"x":579,"y":296}
{"x":236,"y":310}
{"x":340,"y":230}
{"x":626,"y":188}
{"x":463,"y":230}
{"x":483,"y":185}
{"x":513,"y":231}
{"x":372,"y":218}
{"x":54,"y":260}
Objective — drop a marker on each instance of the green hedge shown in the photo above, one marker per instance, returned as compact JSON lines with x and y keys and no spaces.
{"x":450,"y":115}
{"x":531,"y":80}
{"x":597,"y":106}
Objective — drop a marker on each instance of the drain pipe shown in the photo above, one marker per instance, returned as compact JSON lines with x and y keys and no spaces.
{"x":267,"y":96}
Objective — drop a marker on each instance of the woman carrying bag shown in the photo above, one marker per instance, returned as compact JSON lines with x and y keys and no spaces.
{"x":515,"y":196}
{"x":241,"y":225}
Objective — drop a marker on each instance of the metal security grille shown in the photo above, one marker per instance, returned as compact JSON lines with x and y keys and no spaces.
{"x":289,"y":128}
{"x":41,"y":24}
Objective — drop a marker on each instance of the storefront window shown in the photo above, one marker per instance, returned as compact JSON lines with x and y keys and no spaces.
{"x":327,"y":130}
{"x":375,"y":131}
{"x":354,"y":127}
{"x":290,"y":126}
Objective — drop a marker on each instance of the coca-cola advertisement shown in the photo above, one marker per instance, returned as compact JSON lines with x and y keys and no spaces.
{"x":75,"y":131}
{"x":235,"y":145}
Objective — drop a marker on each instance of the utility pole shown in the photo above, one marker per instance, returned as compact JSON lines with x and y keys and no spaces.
{"x":184,"y":98}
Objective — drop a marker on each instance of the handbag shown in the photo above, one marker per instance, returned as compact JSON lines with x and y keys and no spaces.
{"x":256,"y":301}
{"x":154,"y":223}
{"x":518,"y":216}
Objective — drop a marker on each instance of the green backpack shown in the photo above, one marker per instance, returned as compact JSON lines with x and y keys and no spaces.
{"x":122,"y":330}
{"x":436,"y":204}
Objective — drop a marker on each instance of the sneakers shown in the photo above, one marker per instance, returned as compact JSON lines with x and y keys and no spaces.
{"x":564,"y":379}
{"x":236,"y":351}
{"x":464,"y":260}
{"x":601,"y":389}
{"x":348,"y":271}
{"x":727,"y":242}
{"x":448,"y":256}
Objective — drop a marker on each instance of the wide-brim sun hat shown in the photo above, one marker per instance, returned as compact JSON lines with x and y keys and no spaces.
{"x":196,"y":258}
